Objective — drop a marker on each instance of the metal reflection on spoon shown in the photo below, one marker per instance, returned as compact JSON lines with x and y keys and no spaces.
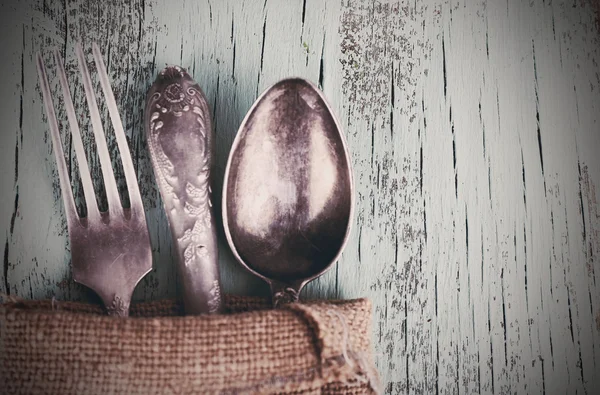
{"x":288,"y":189}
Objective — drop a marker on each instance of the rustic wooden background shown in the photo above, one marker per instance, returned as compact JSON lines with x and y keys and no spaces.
{"x":474,"y":129}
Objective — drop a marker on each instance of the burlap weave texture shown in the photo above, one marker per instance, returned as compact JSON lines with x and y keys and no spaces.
{"x":66,"y":348}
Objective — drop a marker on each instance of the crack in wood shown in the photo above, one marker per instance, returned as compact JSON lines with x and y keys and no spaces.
{"x":455,"y":293}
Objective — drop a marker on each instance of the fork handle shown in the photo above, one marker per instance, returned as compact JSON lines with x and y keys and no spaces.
{"x":180,"y":139}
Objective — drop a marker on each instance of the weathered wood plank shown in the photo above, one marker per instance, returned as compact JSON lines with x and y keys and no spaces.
{"x":474,"y":130}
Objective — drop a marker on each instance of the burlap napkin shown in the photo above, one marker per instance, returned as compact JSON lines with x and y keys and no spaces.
{"x":55,"y":347}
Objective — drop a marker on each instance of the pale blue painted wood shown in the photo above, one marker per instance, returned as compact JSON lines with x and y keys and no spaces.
{"x":473,"y":129}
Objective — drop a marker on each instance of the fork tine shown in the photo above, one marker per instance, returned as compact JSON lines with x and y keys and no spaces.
{"x":130,"y":176}
{"x":112,"y":194}
{"x":84,"y":172}
{"x":65,"y":184}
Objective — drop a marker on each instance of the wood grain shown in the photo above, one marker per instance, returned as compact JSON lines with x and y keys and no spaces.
{"x":474,"y":130}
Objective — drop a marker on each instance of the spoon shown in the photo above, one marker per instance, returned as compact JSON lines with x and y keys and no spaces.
{"x":288,"y":194}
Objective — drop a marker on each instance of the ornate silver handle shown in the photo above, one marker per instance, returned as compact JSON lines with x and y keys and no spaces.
{"x":180,"y":139}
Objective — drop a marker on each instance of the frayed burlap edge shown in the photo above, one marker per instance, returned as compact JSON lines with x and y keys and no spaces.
{"x":339,"y":363}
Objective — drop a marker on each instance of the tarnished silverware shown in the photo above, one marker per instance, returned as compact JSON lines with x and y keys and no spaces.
{"x":110,"y":250}
{"x":288,"y":189}
{"x":180,"y":138}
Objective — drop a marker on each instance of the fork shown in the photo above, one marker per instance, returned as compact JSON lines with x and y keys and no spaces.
{"x":110,"y":251}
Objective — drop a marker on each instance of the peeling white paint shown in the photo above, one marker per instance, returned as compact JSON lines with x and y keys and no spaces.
{"x":474,"y":130}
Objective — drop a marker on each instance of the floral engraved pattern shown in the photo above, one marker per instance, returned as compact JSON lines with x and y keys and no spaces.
{"x":173,"y":71}
{"x":174,"y":93}
{"x":179,"y":100}
{"x":188,"y":199}
{"x":193,"y":251}
{"x":165,"y":177}
{"x":214,"y":300}
{"x":118,"y":307}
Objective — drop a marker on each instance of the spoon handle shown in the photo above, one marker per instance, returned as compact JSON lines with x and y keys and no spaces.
{"x":181,"y":143}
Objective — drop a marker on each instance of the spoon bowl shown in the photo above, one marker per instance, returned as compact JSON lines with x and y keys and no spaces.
{"x":288,"y":190}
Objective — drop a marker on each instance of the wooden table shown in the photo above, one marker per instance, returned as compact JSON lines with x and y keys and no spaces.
{"x":474,"y":131}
